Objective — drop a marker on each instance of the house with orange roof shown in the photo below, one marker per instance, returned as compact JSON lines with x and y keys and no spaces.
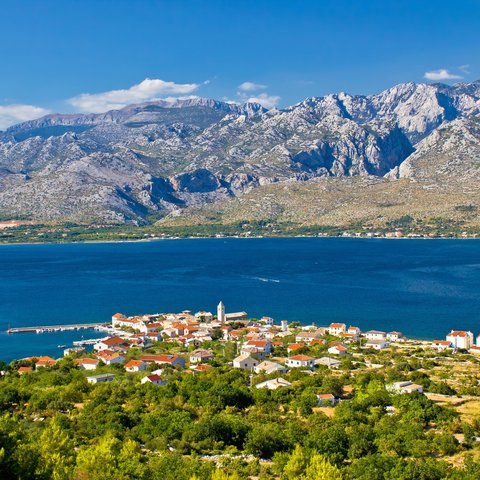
{"x":326,"y":400}
{"x":336,"y":329}
{"x":45,"y":361}
{"x":338,"y":350}
{"x":300,"y":361}
{"x":108,"y":357}
{"x":109,"y":343}
{"x":23,"y":370}
{"x":87,"y":363}
{"x":173,"y":360}
{"x":460,"y":339}
{"x":201,"y":367}
{"x":441,"y":345}
{"x":263,"y":345}
{"x":293,"y":347}
{"x":135,"y":366}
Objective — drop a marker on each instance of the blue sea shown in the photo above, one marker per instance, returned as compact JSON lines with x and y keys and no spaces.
{"x":423,"y":288}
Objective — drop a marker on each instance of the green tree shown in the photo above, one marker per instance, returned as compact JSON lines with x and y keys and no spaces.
{"x":56,"y":457}
{"x":320,"y":469}
{"x":296,"y":465}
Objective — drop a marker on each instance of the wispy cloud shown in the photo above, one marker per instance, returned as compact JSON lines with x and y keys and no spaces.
{"x":266,"y":100}
{"x":441,"y":74}
{"x":465,"y":68}
{"x":148,"y":90}
{"x":16,"y":113}
{"x":251,"y":86}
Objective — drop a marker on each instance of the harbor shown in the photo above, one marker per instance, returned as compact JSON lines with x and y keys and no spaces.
{"x":55,"y":328}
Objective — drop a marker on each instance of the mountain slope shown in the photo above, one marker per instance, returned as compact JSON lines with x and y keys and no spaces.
{"x":166,"y":157}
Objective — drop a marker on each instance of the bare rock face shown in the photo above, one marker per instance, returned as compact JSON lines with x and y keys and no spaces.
{"x":159,"y":157}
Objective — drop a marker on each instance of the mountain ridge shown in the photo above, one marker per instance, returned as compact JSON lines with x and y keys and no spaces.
{"x":163,"y":158}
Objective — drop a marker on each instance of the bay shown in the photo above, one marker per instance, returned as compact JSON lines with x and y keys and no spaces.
{"x":423,"y":288}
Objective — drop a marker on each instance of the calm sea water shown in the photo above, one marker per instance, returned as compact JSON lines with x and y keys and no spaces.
{"x":420,"y":287}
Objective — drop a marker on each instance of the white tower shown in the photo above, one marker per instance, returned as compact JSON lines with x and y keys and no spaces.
{"x":221,"y":312}
{"x":284,"y":324}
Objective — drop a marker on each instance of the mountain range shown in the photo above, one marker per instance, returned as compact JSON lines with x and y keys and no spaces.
{"x":189,"y":158}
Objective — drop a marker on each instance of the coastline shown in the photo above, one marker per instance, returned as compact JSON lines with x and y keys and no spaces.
{"x":245,"y":237}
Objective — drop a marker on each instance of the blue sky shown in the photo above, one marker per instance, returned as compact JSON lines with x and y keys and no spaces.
{"x":66,"y":56}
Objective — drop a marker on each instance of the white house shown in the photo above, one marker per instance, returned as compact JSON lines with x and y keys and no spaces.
{"x":326,"y":400}
{"x":441,"y":345}
{"x":375,"y":335}
{"x":135,"y":366}
{"x":394,"y":336}
{"x":201,"y":355}
{"x":269,"y":367}
{"x":108,"y":357}
{"x":245,"y":362}
{"x":300,"y":361}
{"x":274,"y":384}
{"x":154,"y":379}
{"x":337,"y":350}
{"x":87,"y":363}
{"x":337,"y":328}
{"x":307,"y":337}
{"x":328,"y":362}
{"x":267,"y":320}
{"x":204,"y":316}
{"x":404,"y":387}
{"x":105,"y":377}
{"x":377,"y":344}
{"x":460,"y":339}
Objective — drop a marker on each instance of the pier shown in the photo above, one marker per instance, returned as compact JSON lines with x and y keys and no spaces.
{"x":55,"y":328}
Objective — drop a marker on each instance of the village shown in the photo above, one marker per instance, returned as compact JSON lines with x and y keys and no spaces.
{"x":262,"y":347}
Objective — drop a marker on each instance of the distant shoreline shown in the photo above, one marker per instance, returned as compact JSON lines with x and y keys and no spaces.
{"x":240,"y":237}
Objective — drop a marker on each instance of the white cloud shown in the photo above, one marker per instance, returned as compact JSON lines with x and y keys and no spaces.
{"x":464,"y":68}
{"x":16,"y":113}
{"x":148,"y":90}
{"x":267,"y":101}
{"x":441,"y":74}
{"x":251,"y":86}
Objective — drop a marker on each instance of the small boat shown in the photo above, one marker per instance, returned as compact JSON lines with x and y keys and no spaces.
{"x":61,"y":346}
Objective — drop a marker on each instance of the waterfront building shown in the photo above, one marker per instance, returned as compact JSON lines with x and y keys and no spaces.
{"x":460,"y":339}
{"x":375,"y":335}
{"x":336,"y":329}
{"x":441,"y":345}
{"x":377,"y":343}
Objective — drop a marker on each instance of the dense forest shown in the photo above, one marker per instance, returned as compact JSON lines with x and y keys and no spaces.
{"x":214,"y":425}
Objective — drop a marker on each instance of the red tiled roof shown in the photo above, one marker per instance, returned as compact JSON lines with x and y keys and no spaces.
{"x":159,"y":358}
{"x":113,"y":341}
{"x":457,"y":333}
{"x":295,"y":346}
{"x":302,"y":358}
{"x":133,"y":363}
